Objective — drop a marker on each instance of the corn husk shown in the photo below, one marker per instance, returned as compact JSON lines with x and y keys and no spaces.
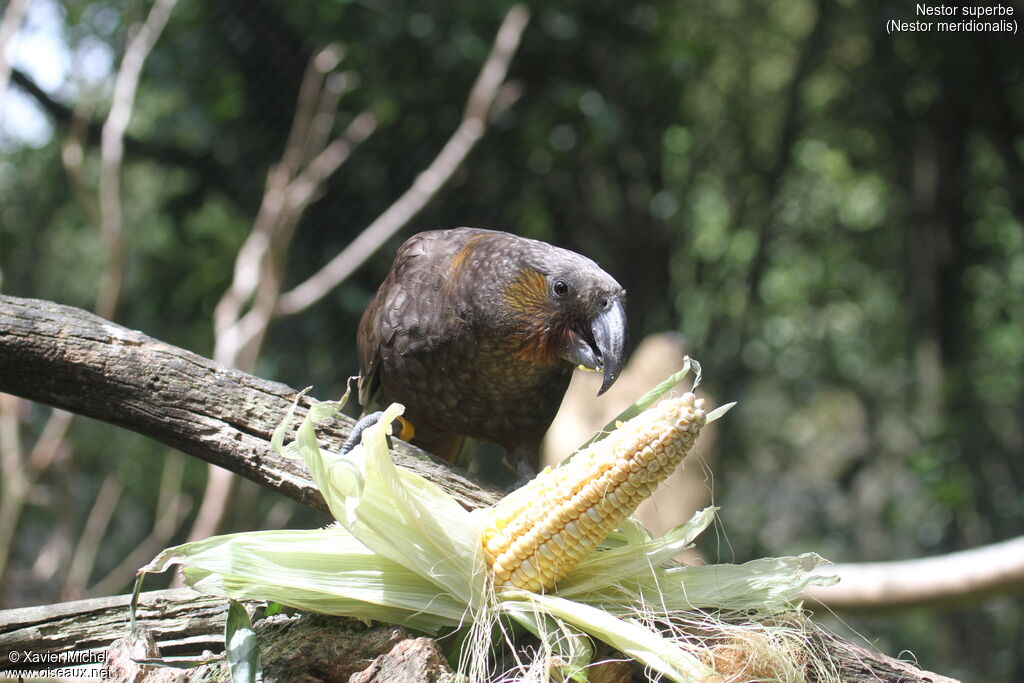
{"x":403,"y":551}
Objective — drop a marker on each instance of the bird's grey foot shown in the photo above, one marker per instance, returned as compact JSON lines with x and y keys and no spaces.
{"x":400,"y":427}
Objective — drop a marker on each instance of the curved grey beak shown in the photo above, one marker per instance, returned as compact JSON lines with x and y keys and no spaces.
{"x":609,"y":329}
{"x":603,"y":346}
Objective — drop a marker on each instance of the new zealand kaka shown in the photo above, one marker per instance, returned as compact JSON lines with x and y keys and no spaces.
{"x":477,"y":333}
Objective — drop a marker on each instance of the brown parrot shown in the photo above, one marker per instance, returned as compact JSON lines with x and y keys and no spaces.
{"x":476,"y":332}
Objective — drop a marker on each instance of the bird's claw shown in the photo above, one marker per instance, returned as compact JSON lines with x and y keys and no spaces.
{"x":400,"y":427}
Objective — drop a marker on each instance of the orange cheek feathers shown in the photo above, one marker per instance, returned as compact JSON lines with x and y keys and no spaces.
{"x":529,"y":303}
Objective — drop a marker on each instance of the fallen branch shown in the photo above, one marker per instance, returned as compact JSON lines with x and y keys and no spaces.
{"x":182,"y":623}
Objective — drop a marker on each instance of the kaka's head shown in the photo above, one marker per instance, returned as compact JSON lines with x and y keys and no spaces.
{"x":554,"y":304}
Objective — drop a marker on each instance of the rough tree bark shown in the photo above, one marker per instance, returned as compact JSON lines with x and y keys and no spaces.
{"x":68,"y":358}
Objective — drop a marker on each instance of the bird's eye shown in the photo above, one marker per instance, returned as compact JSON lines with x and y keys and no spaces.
{"x":560,"y":288}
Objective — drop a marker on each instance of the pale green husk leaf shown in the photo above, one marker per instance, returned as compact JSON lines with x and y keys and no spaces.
{"x":320,"y":570}
{"x":406,"y":552}
{"x":397,"y":513}
{"x":643,"y":644}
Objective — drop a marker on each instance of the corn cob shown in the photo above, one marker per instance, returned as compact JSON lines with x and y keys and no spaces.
{"x":536,"y":536}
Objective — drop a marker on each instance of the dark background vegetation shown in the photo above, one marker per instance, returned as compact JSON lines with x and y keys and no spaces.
{"x":831,"y":215}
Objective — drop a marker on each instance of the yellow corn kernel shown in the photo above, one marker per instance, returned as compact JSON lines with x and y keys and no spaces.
{"x":536,"y":536}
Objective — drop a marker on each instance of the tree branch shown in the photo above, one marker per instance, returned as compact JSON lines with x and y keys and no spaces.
{"x":428,"y":183}
{"x":181,"y":620}
{"x":14,"y":14}
{"x":212,"y":172}
{"x":955,"y":577}
{"x":184,"y":623}
{"x":290,"y":187}
{"x":112,"y":151}
{"x":68,"y":358}
{"x":172,"y":506}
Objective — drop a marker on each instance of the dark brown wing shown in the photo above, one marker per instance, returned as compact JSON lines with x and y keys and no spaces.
{"x":412,"y":306}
